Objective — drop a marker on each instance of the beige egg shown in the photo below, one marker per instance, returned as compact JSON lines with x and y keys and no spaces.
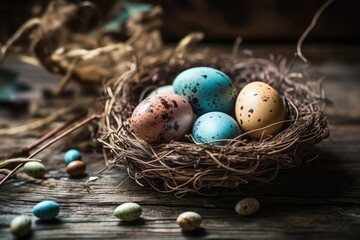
{"x":258,"y":105}
{"x":162,"y":118}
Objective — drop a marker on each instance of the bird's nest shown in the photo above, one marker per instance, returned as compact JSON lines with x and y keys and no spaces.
{"x":183,"y":167}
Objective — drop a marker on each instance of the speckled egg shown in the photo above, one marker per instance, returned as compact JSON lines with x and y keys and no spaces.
{"x":206,"y":89}
{"x":214,"y":126}
{"x":189,"y":221}
{"x":34,"y":169}
{"x":46,"y":210}
{"x":259,"y":106}
{"x":76,"y":168}
{"x":162,"y":90}
{"x":20,"y":226}
{"x":72,"y":155}
{"x":162,"y":118}
{"x":128,"y":211}
{"x":247,"y":206}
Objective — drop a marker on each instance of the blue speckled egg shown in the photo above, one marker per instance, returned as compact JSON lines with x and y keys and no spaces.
{"x":214,"y":126}
{"x":206,"y":89}
{"x":72,"y":155}
{"x":46,"y":210}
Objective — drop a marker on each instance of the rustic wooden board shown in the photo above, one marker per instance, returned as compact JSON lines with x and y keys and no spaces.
{"x":319,"y":200}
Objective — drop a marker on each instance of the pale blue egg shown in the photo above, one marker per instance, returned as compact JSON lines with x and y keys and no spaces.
{"x":206,"y":89}
{"x":72,"y":155}
{"x":46,"y":210}
{"x":214,"y":126}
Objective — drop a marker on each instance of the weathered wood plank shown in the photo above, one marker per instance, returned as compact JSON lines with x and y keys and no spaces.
{"x":321,"y":200}
{"x":318,"y":201}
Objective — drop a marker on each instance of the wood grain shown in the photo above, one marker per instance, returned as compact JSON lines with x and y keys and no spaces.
{"x":319,"y":200}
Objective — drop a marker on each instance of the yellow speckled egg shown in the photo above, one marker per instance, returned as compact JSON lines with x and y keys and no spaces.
{"x":162,"y":118}
{"x":258,"y":105}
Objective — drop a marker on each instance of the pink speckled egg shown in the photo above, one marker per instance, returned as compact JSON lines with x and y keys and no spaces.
{"x":162,"y":118}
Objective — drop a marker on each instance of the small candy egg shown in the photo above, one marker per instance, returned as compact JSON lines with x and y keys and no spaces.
{"x":215,"y":126}
{"x":72,"y":155}
{"x":258,"y":105}
{"x":46,"y":210}
{"x":162,"y":90}
{"x":76,"y":168}
{"x":34,"y":169}
{"x":162,"y":118}
{"x":128,"y":211}
{"x":247,"y":206}
{"x":189,"y":221}
{"x":206,"y":89}
{"x":20,"y":226}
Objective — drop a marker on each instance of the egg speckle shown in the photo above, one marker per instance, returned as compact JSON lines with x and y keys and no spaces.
{"x":162,"y":118}
{"x":214,"y":126}
{"x":206,"y":89}
{"x":259,"y":106}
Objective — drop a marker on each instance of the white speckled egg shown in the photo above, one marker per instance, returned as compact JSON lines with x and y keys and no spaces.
{"x":162,"y":90}
{"x":258,"y":105}
{"x":162,"y":118}
{"x":189,"y":221}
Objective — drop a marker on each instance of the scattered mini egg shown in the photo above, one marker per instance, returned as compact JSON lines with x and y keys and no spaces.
{"x":34,"y":169}
{"x":72,"y":155}
{"x":214,"y":126}
{"x":162,"y":90}
{"x":206,"y":89}
{"x":46,"y":210}
{"x":128,"y":211}
{"x":162,"y":118}
{"x":258,"y":105}
{"x":189,"y":221}
{"x":20,"y":226}
{"x":76,"y":168}
{"x":247,"y":206}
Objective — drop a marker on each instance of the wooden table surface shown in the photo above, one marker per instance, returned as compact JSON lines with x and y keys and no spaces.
{"x":320,"y":200}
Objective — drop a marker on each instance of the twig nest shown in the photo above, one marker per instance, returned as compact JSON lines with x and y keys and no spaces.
{"x":128,"y":211}
{"x":285,"y":111}
{"x":189,"y":221}
{"x":34,"y":169}
{"x":247,"y":206}
{"x":20,"y":226}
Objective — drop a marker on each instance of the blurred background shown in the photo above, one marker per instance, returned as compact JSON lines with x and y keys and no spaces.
{"x":222,"y":21}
